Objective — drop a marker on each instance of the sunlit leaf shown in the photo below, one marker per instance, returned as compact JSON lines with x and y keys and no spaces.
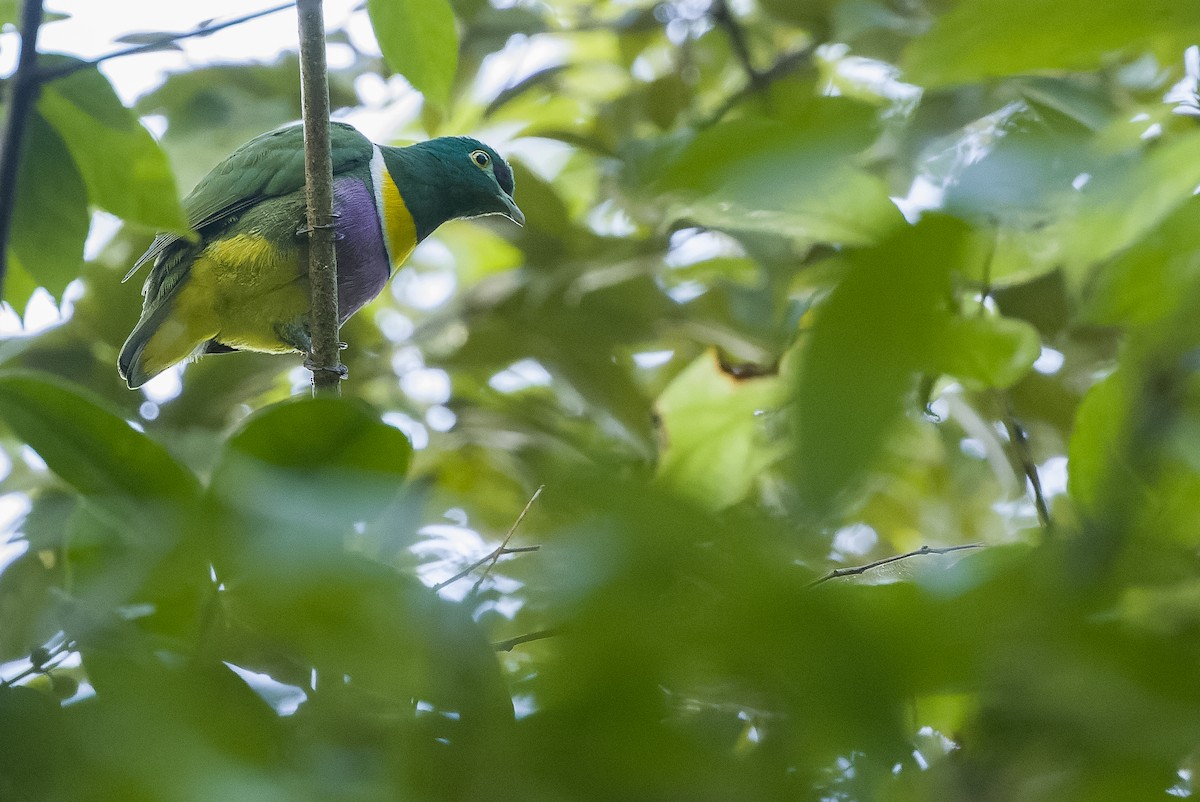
{"x":125,"y":171}
{"x":419,"y":40}
{"x":718,"y":432}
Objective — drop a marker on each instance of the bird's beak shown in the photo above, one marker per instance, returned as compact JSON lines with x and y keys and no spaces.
{"x":510,"y":209}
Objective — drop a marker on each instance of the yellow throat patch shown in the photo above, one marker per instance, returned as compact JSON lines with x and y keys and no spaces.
{"x":399,"y":230}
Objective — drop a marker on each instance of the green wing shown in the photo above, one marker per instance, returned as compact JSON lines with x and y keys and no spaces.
{"x":267,"y":166}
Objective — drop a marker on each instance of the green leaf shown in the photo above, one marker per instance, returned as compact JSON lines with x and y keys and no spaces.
{"x":876,"y":332}
{"x":25,"y":588}
{"x":125,"y":171}
{"x":1130,"y":198}
{"x":119,"y":470}
{"x":1151,"y":281}
{"x":1098,"y":449}
{"x":419,"y":40}
{"x":50,"y":219}
{"x":718,"y":432}
{"x":797,"y":177}
{"x":981,"y":39}
{"x":313,"y":462}
{"x":19,"y":286}
{"x":988,"y":350}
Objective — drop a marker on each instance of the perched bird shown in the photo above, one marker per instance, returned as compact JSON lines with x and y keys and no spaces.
{"x":241,"y":283}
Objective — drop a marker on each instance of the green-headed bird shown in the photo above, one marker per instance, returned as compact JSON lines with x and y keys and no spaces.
{"x":241,"y":283}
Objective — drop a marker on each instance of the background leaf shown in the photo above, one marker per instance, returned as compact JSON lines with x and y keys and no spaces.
{"x":419,"y":40}
{"x":125,"y":171}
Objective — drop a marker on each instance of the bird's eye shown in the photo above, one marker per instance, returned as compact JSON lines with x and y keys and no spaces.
{"x":481,"y":158}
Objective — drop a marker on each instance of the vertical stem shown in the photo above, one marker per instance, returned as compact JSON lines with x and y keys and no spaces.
{"x":24,"y":93}
{"x":324,"y":361}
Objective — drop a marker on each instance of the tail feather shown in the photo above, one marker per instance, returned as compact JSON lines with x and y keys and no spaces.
{"x":160,"y":339}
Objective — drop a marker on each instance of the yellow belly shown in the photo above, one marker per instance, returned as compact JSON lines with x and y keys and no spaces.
{"x":237,"y":292}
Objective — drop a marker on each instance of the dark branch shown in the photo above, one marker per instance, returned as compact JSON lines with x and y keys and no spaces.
{"x":24,"y":94}
{"x":324,"y":360}
{"x":507,"y":645}
{"x":862,"y":569}
{"x":1020,"y":444}
{"x":785,"y":64}
{"x":504,"y":543}
{"x":499,"y":551}
{"x":159,"y":43}
{"x":724,"y":19}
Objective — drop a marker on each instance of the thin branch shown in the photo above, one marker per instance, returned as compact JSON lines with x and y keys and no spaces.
{"x":507,"y":645}
{"x":324,"y":359}
{"x":48,"y":660}
{"x":724,"y":19}
{"x":862,"y":569}
{"x":499,"y":551}
{"x":504,"y":543}
{"x":785,"y":64}
{"x":159,"y":43}
{"x":24,"y":94}
{"x":1020,"y":443}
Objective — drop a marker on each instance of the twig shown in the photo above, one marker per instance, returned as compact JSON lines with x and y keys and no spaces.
{"x":507,"y":645}
{"x":724,"y":18}
{"x":24,"y":93}
{"x":782,"y":66}
{"x":504,"y":543}
{"x":1020,"y":443}
{"x":46,"y":662}
{"x":324,"y":360}
{"x":200,"y":30}
{"x":862,"y":569}
{"x":499,"y":551}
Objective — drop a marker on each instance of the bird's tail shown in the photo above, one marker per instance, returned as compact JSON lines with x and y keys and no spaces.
{"x":161,"y":338}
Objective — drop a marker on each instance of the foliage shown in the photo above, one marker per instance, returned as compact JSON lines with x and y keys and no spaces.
{"x":804,"y":285}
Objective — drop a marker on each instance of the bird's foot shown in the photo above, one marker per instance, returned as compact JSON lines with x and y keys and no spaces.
{"x":339,"y":369}
{"x":306,"y":231}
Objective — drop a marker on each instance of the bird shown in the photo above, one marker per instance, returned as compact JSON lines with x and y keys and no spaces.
{"x":239,"y":280}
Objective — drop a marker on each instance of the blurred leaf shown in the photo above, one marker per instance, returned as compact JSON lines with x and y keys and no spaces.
{"x":32,"y":747}
{"x":50,"y":220}
{"x":988,"y":350}
{"x":1132,"y":197}
{"x":1098,"y":452}
{"x":313,"y":462}
{"x":24,"y":595}
{"x":796,"y":178}
{"x":980,"y":39}
{"x":213,"y":110}
{"x":19,"y":286}
{"x":125,"y":171}
{"x":868,"y":341}
{"x":164,"y":40}
{"x":419,"y":40}
{"x":119,"y":470}
{"x":718,"y":432}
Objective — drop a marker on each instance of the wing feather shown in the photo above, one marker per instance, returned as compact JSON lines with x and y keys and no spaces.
{"x":267,"y":166}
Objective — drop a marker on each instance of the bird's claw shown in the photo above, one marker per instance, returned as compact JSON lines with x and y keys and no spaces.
{"x":339,"y":369}
{"x":307,"y":230}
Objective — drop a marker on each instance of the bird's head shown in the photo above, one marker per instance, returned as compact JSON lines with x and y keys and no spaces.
{"x":451,"y":177}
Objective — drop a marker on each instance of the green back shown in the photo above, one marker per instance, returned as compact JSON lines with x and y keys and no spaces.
{"x":267,"y":166}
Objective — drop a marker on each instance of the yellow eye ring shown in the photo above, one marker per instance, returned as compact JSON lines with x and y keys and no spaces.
{"x":481,"y":158}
